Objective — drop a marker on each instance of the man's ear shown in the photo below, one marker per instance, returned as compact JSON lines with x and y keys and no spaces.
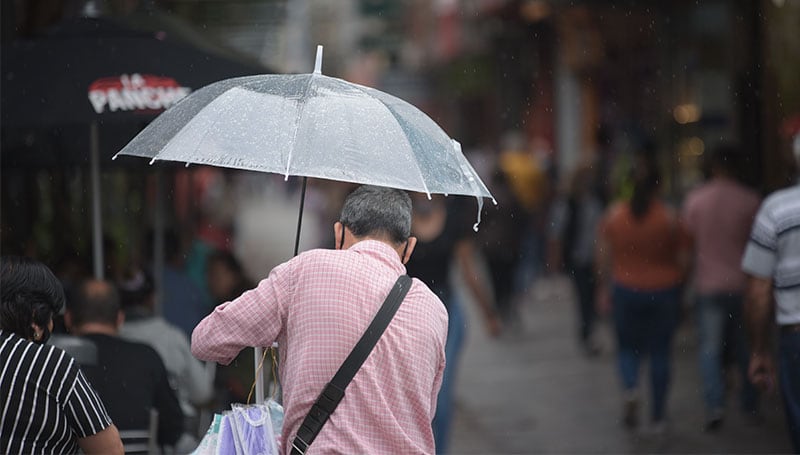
{"x":338,"y":228}
{"x":120,"y":318}
{"x":412,"y":242}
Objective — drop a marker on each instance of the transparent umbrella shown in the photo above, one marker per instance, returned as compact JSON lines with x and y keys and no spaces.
{"x":311,"y":125}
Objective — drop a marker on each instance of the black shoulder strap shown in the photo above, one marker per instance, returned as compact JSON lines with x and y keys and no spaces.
{"x":333,"y":392}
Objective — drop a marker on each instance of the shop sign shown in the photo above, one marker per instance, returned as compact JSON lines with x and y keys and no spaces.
{"x":135,"y":92}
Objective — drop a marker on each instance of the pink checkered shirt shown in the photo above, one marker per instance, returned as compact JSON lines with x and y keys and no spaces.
{"x":316,"y":306}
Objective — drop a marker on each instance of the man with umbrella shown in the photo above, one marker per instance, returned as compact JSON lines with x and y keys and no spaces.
{"x":317,"y":305}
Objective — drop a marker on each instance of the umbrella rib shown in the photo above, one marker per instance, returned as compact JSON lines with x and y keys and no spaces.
{"x":206,"y":131}
{"x":416,"y":164}
{"x":297,"y":125}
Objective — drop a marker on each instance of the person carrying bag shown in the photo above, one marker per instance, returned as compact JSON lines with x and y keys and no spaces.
{"x":316,"y":306}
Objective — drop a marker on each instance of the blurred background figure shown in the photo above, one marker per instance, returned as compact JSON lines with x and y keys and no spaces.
{"x":225,"y":277}
{"x":573,"y":229}
{"x":718,"y":215}
{"x":641,"y":264}
{"x":183,"y":302}
{"x":773,"y":294}
{"x":226,"y":281}
{"x":129,"y":377}
{"x":524,"y":164}
{"x":445,"y":243}
{"x":49,"y":406}
{"x":500,"y":237}
{"x":187,"y":375}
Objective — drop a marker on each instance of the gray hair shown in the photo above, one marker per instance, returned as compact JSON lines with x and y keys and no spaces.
{"x":378,"y":211}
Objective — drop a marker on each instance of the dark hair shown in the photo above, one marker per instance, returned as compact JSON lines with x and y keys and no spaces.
{"x":726,"y":157}
{"x":646,"y":178}
{"x":376,"y":210}
{"x":228,"y":260}
{"x":95,"y":301}
{"x":135,"y":288}
{"x":29,"y":294}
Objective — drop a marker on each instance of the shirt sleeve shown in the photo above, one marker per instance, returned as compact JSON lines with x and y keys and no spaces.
{"x":760,"y":256}
{"x":85,"y":412}
{"x":254,"y":319}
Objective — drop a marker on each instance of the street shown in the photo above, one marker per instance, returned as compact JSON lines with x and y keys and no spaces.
{"x":534,"y":391}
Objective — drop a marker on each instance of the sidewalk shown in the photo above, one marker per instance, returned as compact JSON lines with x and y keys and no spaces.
{"x":533,"y":391}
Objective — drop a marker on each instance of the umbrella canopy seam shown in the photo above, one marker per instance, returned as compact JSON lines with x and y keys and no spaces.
{"x":303,"y":103}
{"x":386,"y":106}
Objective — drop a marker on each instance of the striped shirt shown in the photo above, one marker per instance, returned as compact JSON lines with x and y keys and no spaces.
{"x":774,"y":251}
{"x":316,"y":306}
{"x":46,"y":403}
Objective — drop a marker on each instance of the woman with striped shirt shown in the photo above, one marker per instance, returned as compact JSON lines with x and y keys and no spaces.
{"x":46,"y":404}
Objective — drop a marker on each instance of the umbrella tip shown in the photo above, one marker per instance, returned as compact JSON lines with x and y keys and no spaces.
{"x":114,"y":157}
{"x":318,"y":62}
{"x":152,"y":161}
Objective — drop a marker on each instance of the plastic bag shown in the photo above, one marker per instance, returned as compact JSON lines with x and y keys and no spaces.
{"x":226,"y":444}
{"x":253,"y":429}
{"x":276,"y":415}
{"x":208,"y":445}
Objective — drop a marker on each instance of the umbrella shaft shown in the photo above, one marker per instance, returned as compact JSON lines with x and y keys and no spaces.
{"x":300,"y":216}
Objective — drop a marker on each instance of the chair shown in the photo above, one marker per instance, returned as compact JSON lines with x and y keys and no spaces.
{"x":142,"y":441}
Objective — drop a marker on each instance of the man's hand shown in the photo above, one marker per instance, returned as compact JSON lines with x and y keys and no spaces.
{"x":761,"y":371}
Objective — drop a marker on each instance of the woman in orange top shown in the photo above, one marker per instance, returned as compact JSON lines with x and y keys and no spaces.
{"x":642,"y":251}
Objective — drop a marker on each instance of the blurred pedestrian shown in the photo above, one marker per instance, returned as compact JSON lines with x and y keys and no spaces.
{"x":225,"y":277}
{"x":130,"y":377}
{"x":573,"y":229}
{"x":48,"y":404}
{"x":226,"y":281}
{"x":187,"y":375}
{"x":445,"y":239}
{"x":183,"y":302}
{"x":718,"y":216}
{"x":317,"y":305}
{"x":525,"y":165}
{"x":772,"y":260}
{"x":641,"y":257}
{"x":500,"y":242}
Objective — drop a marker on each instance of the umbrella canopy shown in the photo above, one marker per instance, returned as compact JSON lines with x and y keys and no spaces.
{"x":314,"y":126}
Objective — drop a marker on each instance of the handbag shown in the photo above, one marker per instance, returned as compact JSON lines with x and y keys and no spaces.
{"x":332,"y":394}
